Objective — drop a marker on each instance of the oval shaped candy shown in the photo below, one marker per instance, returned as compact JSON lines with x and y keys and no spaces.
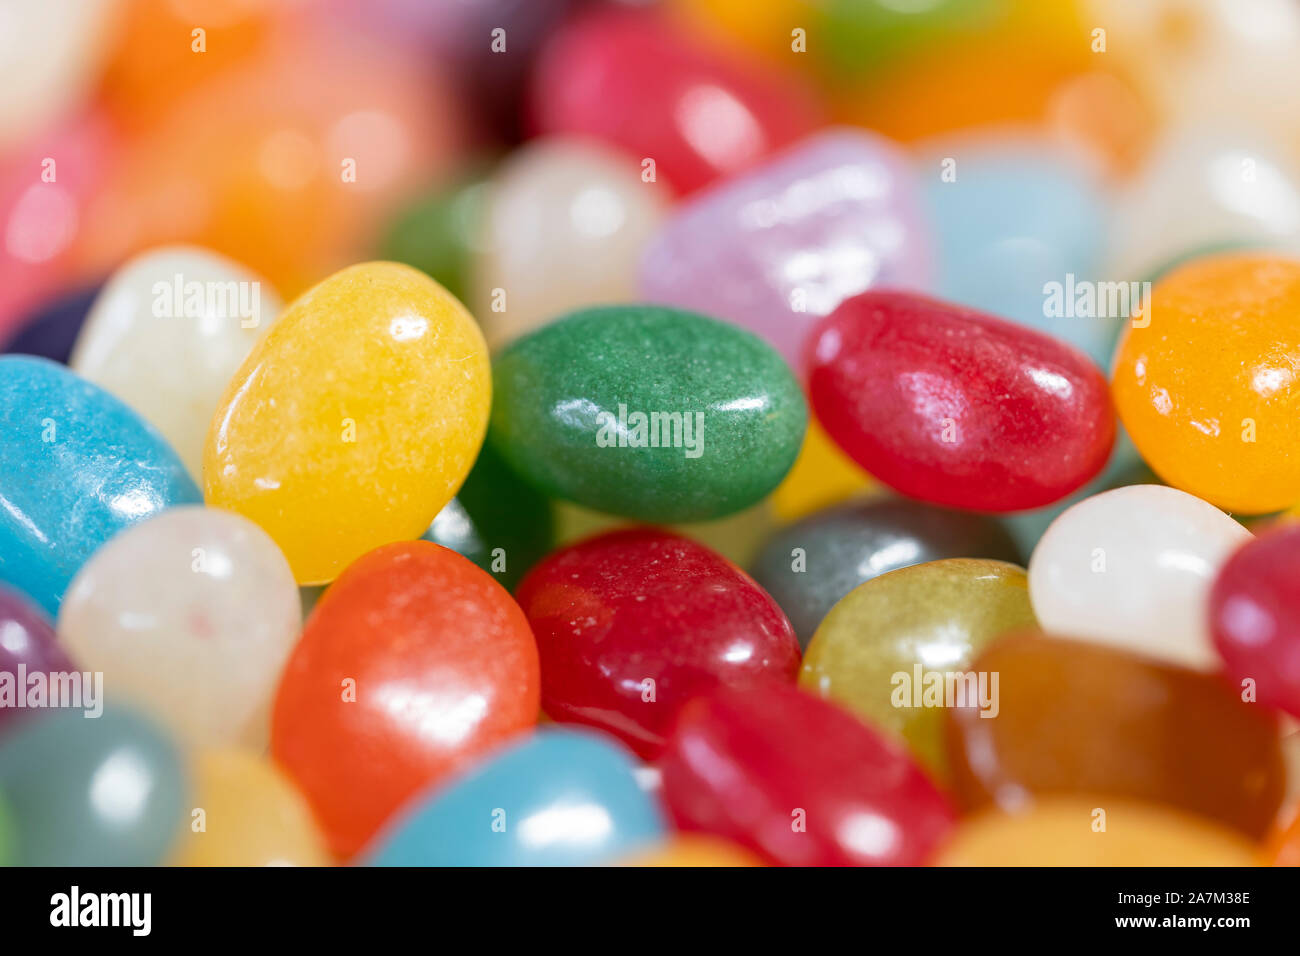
{"x":809,"y":565}
{"x":632,"y":624}
{"x":884,"y":649}
{"x":1101,"y":831}
{"x":1075,"y":717}
{"x":192,"y":613}
{"x":413,"y":662}
{"x":560,"y":798}
{"x":956,"y":407}
{"x":1132,"y":568}
{"x":76,"y":467}
{"x":28,"y":646}
{"x":799,"y":781}
{"x":167,"y":333}
{"x":355,"y":420}
{"x":1255,"y":617}
{"x":647,"y":412}
{"x":1207,"y":387}
{"x":106,"y":791}
{"x":252,"y":816}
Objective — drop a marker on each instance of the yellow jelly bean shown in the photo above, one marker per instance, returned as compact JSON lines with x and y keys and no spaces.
{"x":1095,"y":831}
{"x":355,"y":420}
{"x":822,"y":475}
{"x":247,"y":813}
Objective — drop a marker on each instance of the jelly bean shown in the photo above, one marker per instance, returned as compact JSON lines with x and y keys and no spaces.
{"x":1255,"y":617}
{"x":956,"y":407}
{"x":1076,"y":831}
{"x":8,"y":840}
{"x":27,"y":641}
{"x":647,"y":412}
{"x":884,"y":648}
{"x":1205,"y":386}
{"x":370,"y":448}
{"x":1075,"y":717}
{"x":167,"y":333}
{"x":51,"y":54}
{"x":1284,"y":847}
{"x":475,"y":524}
{"x":776,"y":249}
{"x":808,"y":566}
{"x":437,"y":233}
{"x":192,"y":613}
{"x":413,"y":662}
{"x":699,"y":114}
{"x":109,"y":791}
{"x":1132,"y":568}
{"x":251,"y":816}
{"x":276,"y":163}
{"x":689,"y":849}
{"x":799,"y":781}
{"x":76,"y":467}
{"x":560,"y":798}
{"x":625,"y":636}
{"x":1198,"y":189}
{"x":51,"y":331}
{"x":821,"y":476}
{"x":1105,"y":120}
{"x":1012,"y":219}
{"x":564,"y":225}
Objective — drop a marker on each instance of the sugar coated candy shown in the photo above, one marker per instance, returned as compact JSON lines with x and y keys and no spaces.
{"x":890,"y":649}
{"x":76,"y":467}
{"x":632,"y":624}
{"x":192,"y":613}
{"x":354,"y":420}
{"x":561,"y":798}
{"x":413,"y":662}
{"x":647,"y":412}
{"x":1132,"y":568}
{"x":956,"y":407}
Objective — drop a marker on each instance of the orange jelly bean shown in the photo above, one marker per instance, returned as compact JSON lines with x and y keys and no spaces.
{"x":1206,"y":381}
{"x":414,"y":661}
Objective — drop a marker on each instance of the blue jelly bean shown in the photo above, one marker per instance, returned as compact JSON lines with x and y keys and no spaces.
{"x":76,"y":467}
{"x":91,"y":791}
{"x":560,"y":798}
{"x":1016,"y":217}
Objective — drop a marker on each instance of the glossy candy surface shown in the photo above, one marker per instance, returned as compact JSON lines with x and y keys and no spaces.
{"x":413,"y":662}
{"x":956,"y":407}
{"x":252,"y":815}
{"x":624,"y":77}
{"x":1101,"y":831}
{"x":369,"y":446}
{"x":106,"y":791}
{"x":1254,"y":611}
{"x":1075,"y":717}
{"x":560,"y":798}
{"x":166,"y":334}
{"x":564,"y":224}
{"x":1207,"y":388}
{"x":1131,"y":568}
{"x":799,"y":781}
{"x":191,"y":613}
{"x":76,"y":467}
{"x":776,"y":249}
{"x":26,"y":639}
{"x":632,"y":624}
{"x":877,"y":650}
{"x":575,"y":400}
{"x":809,"y":565}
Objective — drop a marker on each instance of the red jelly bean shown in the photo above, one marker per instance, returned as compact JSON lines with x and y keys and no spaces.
{"x":956,"y":407}
{"x":632,"y":624}
{"x":631,"y":79}
{"x":800,"y":781}
{"x":1255,"y":617}
{"x":413,"y":661}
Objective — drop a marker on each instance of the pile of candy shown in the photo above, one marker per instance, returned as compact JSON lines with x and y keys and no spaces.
{"x":970,"y":329}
